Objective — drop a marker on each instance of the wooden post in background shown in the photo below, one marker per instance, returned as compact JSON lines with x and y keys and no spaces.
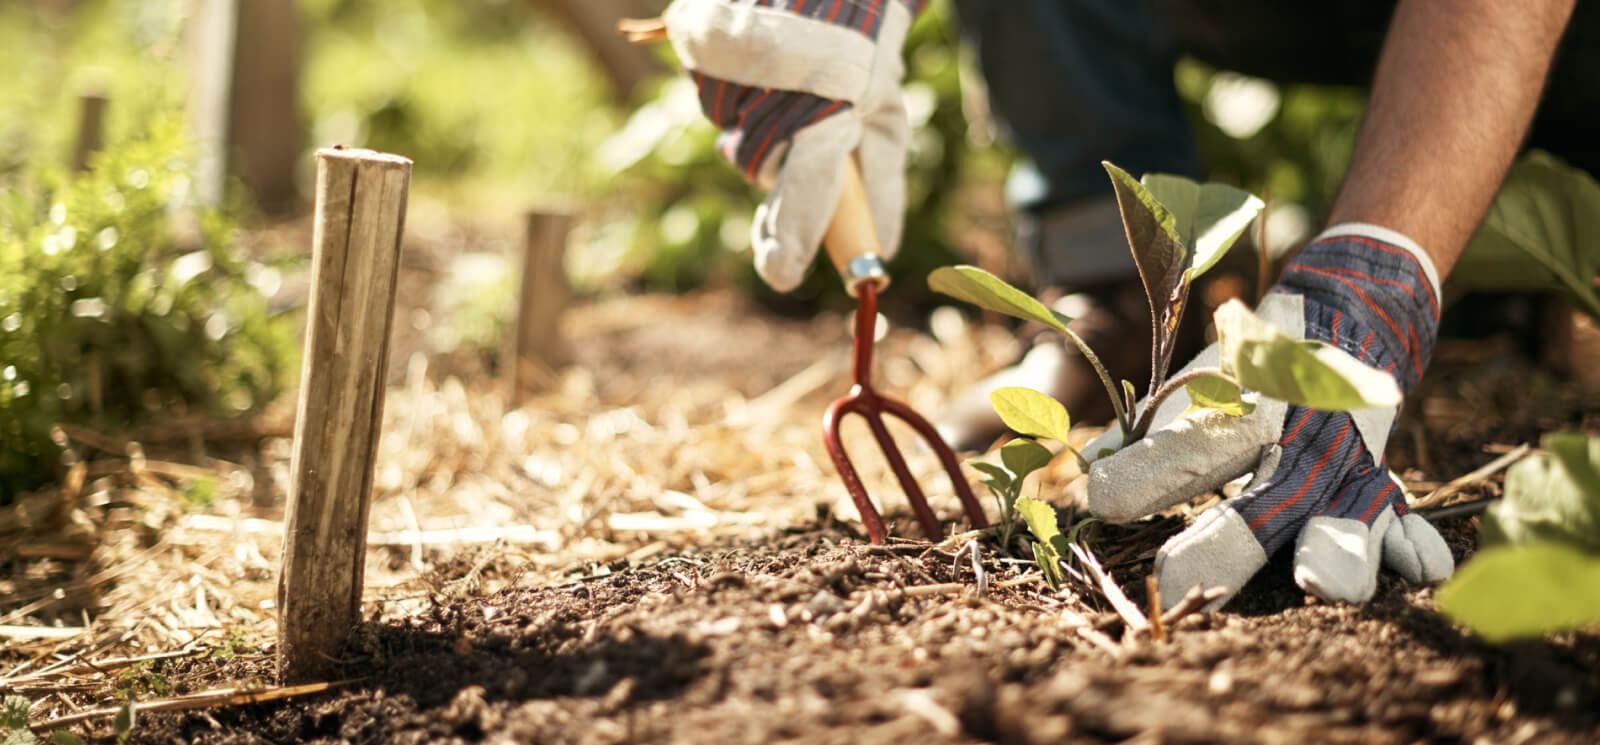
{"x":91,"y":128}
{"x":244,"y":110}
{"x":536,"y":345}
{"x":360,"y":216}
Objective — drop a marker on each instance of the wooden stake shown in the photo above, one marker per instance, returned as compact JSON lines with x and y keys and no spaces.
{"x":536,"y":344}
{"x":91,"y":129}
{"x":360,"y":215}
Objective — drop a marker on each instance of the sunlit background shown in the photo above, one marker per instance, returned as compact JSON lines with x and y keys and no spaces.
{"x":166,"y":248}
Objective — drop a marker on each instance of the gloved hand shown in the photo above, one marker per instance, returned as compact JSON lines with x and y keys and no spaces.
{"x":794,"y":92}
{"x":1320,"y":478}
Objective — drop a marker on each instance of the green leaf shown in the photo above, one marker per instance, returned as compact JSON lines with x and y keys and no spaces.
{"x":999,"y":478}
{"x":1550,"y":496}
{"x":985,"y":290}
{"x":1049,"y":545}
{"x":14,"y":722}
{"x":1158,"y":249}
{"x":1023,"y":457}
{"x":14,"y":712}
{"x":1545,"y":210}
{"x":1220,"y":393}
{"x":1519,"y":592}
{"x":1032,"y":413}
{"x":1306,"y":373}
{"x":63,"y":737}
{"x":125,"y":721}
{"x":1209,"y":217}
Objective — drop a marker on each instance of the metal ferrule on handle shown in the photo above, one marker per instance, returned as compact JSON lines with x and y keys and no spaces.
{"x":852,"y":237}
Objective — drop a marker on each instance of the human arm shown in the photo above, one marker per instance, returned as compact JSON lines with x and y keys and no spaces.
{"x":1455,"y":89}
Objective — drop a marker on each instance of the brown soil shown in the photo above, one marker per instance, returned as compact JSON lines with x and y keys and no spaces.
{"x":794,"y":629}
{"x":807,"y":636}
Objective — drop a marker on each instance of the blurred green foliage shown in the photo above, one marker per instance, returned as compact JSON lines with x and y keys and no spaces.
{"x":1291,"y":143}
{"x":121,"y":301}
{"x":484,"y":95}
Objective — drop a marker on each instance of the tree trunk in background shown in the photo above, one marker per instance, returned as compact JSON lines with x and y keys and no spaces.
{"x":594,"y":24}
{"x":265,"y":130}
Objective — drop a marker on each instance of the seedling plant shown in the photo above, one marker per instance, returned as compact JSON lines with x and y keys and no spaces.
{"x":1177,"y":229}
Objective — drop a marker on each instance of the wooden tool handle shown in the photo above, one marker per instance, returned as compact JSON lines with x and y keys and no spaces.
{"x":852,"y":237}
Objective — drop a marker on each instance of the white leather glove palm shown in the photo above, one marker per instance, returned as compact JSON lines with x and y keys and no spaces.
{"x":795,"y":93}
{"x":1320,"y":478}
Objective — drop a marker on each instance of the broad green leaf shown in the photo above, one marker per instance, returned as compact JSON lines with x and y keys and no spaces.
{"x":1023,"y":457}
{"x":1551,"y":496}
{"x":985,"y":290}
{"x":1545,"y":210}
{"x":63,"y":737}
{"x":1217,"y":392}
{"x":1209,"y":217}
{"x":1306,"y":373}
{"x":1158,"y":249}
{"x":1049,"y":545}
{"x":1520,"y":592}
{"x":999,"y":478}
{"x":1031,"y":413}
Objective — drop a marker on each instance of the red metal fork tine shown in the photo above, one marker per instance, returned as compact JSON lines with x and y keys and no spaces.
{"x":866,"y":402}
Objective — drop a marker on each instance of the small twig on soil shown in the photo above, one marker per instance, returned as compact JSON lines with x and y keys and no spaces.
{"x":1131,"y":615}
{"x":202,"y":700}
{"x":1192,"y":601}
{"x":1100,"y":640}
{"x":980,"y":577}
{"x":101,"y":666}
{"x":922,"y":591}
{"x":36,"y":633}
{"x":1158,"y":629}
{"x":1491,"y":468}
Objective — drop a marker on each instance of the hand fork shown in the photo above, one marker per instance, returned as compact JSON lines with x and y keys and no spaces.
{"x":853,"y":245}
{"x":852,"y":242}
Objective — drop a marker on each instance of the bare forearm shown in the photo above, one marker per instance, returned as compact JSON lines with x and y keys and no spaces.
{"x":1456,"y":86}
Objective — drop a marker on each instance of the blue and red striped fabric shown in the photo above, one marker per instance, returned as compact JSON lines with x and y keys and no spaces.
{"x":754,"y":121}
{"x":1373,"y":300}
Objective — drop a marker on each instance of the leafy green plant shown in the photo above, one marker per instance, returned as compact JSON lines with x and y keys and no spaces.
{"x":1035,"y":415}
{"x":1546,"y":211}
{"x":1538,"y":570}
{"x":112,"y":314}
{"x":1177,"y":229}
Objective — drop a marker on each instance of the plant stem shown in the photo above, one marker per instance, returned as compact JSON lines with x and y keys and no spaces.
{"x":1124,"y":417}
{"x":1167,"y":389}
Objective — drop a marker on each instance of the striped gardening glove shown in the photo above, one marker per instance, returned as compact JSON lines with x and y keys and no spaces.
{"x":796,"y":86}
{"x":1320,"y":478}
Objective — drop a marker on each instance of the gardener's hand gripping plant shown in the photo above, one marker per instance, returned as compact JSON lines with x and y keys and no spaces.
{"x":1206,"y":414}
